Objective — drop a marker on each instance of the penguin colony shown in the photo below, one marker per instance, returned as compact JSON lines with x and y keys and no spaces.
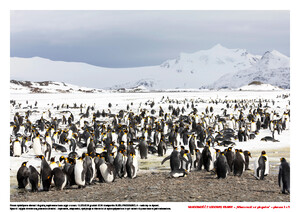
{"x":102,"y":146}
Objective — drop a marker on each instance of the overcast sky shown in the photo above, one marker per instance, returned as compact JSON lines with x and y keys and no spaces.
{"x":143,"y":38}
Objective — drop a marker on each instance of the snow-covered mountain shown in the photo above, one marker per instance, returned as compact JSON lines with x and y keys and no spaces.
{"x":47,"y":87}
{"x":273,"y":68}
{"x":207,"y":65}
{"x":258,"y":86}
{"x":194,"y":70}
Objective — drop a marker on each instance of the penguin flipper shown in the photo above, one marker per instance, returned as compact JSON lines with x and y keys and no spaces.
{"x":182,"y":158}
{"x":165,"y":159}
{"x":83,"y":171}
{"x":279,"y":176}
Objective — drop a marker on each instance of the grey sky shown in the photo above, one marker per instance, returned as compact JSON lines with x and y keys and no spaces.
{"x":142,"y":38}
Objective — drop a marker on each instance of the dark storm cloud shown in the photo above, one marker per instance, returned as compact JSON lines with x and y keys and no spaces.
{"x":142,"y":38}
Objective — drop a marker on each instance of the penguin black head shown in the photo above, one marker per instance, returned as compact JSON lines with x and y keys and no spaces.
{"x":40,"y":156}
{"x":24,"y":163}
{"x":61,"y":158}
{"x":282,"y":160}
{"x":263,"y":153}
{"x":52,"y":159}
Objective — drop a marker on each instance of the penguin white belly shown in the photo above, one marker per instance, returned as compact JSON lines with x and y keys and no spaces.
{"x":94,"y":169}
{"x":267,"y":170}
{"x":243,"y":156}
{"x":114,"y":137}
{"x":53,"y":165}
{"x":88,"y":141}
{"x":255,"y":168}
{"x":17,"y":149}
{"x":253,"y":127}
{"x":108,"y":177}
{"x":213,"y":156}
{"x":78,"y":173}
{"x":230,"y":125}
{"x":136,"y":166}
{"x":165,"y":130}
{"x":124,"y":164}
{"x":176,"y":175}
{"x":37,"y":148}
{"x":216,"y":128}
{"x":65,"y":183}
{"x":287,"y":125}
{"x":220,"y":126}
{"x":49,"y":141}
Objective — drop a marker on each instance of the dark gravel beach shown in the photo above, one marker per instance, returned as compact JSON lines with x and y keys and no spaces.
{"x":156,"y":187}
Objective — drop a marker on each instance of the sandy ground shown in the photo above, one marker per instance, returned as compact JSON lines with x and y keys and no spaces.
{"x":153,"y":185}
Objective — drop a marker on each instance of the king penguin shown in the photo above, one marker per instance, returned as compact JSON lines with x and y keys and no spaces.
{"x":80,"y":172}
{"x":59,"y":178}
{"x":261,"y":166}
{"x":17,"y":150}
{"x":131,"y":166}
{"x":178,"y":173}
{"x":238,"y":164}
{"x":174,"y":159}
{"x":37,"y":147}
{"x":284,"y":176}
{"x":22,"y":175}
{"x":34,"y":179}
{"x":45,"y":173}
{"x":222,"y":167}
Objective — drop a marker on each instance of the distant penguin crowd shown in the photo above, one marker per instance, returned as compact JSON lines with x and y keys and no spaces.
{"x":99,"y":145}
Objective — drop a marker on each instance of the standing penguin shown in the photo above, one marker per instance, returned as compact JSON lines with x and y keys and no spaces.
{"x":107,"y":170}
{"x":118,"y":163}
{"x":284,"y":176}
{"x":90,"y":172}
{"x":207,"y":159}
{"x":174,"y":159}
{"x":143,"y":148}
{"x":247,"y":154}
{"x":37,"y":147}
{"x":162,"y":147}
{"x":33,"y":178}
{"x":261,"y":166}
{"x":45,"y":173}
{"x":222,"y":167}
{"x":131,"y":166}
{"x":17,"y":148}
{"x":59,"y":178}
{"x":198,"y":160}
{"x":229,"y":156}
{"x":238,"y":164}
{"x":80,"y":172}
{"x":22,"y":175}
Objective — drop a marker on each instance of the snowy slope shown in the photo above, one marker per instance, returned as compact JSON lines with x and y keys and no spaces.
{"x":188,"y":71}
{"x":273,"y":68}
{"x":207,"y":65}
{"x":47,"y":87}
{"x":259,"y":87}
